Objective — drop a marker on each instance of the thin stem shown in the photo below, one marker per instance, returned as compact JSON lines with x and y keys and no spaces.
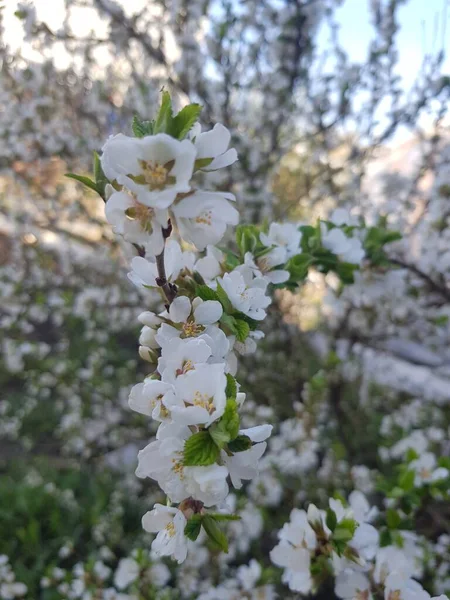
{"x":169,"y":289}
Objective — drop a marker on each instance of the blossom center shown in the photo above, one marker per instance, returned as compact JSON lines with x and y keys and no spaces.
{"x":204,"y":218}
{"x":178,"y":467}
{"x":425,"y":473}
{"x":192,"y":329}
{"x":143,"y":214}
{"x":170,"y":528}
{"x":204,"y":401}
{"x":154,"y":174}
{"x":362,"y":595}
{"x":395,"y":595}
{"x":188,"y":365}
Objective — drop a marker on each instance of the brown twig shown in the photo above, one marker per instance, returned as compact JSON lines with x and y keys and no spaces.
{"x":169,"y":289}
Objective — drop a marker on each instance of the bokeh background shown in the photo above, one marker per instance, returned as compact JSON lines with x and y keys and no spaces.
{"x":330,"y":104}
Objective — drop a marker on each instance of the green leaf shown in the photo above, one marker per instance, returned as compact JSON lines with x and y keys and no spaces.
{"x":141,"y":128}
{"x":206,"y":293}
{"x":231,"y":390}
{"x":200,"y":450}
{"x":101,"y":180}
{"x":252,"y":323}
{"x":240,"y":444}
{"x":231,"y":260}
{"x":346,"y":272}
{"x":227,"y":427}
{"x":84,"y":180}
{"x":201,"y":163}
{"x":393,"y":519}
{"x":214,"y":533}
{"x":345,"y":530}
{"x":406,"y":480}
{"x":164,"y":118}
{"x":247,"y":238}
{"x":228,"y":321}
{"x":223,"y":299}
{"x":331,"y":519}
{"x":298,"y":266}
{"x":224,"y":517}
{"x":193,"y":527}
{"x":184,"y":121}
{"x":242,"y":329}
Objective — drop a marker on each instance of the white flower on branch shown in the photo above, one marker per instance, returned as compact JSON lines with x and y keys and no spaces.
{"x":169,"y":523}
{"x":214,"y":145}
{"x":349,"y":249}
{"x":144,"y":272}
{"x":285,"y":236}
{"x":137,"y":223}
{"x":202,"y":391}
{"x":154,"y":168}
{"x":246,"y":293}
{"x":202,"y":217}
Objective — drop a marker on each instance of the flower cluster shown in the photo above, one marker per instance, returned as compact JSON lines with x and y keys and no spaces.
{"x":341,"y":542}
{"x":214,"y":305}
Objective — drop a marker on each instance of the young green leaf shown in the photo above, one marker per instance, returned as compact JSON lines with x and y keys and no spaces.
{"x":141,"y":128}
{"x":201,"y":163}
{"x":214,"y":533}
{"x":223,"y":299}
{"x":231,"y":389}
{"x":206,"y":293}
{"x":224,"y":517}
{"x":193,"y":526}
{"x":164,"y":118}
{"x":200,"y":450}
{"x":240,"y":444}
{"x":101,"y":180}
{"x":184,"y":121}
{"x":242,"y":329}
{"x":84,"y":180}
{"x":227,"y":428}
{"x":331,"y":519}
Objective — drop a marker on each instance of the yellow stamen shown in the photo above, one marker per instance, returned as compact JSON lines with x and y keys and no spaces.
{"x":204,"y":401}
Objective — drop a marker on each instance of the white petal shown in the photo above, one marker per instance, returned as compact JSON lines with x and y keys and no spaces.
{"x":180,"y":309}
{"x":258,"y":433}
{"x":208,"y":312}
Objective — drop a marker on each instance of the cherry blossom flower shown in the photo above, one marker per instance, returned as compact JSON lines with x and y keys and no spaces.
{"x":169,"y":524}
{"x":213,"y":144}
{"x":155,"y":168}
{"x":246,"y":293}
{"x":137,"y":222}
{"x":202,"y":217}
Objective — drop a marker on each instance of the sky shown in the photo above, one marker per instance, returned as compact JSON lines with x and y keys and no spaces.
{"x":419,"y":21}
{"x":425,"y":28}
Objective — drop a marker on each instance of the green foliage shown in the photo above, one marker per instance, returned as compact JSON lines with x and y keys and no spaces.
{"x":87,"y":181}
{"x":231,"y":389}
{"x":184,"y":121}
{"x":215,"y":534}
{"x":242,"y":329}
{"x":239,"y":444}
{"x":331,"y":520}
{"x":200,"y":450}
{"x":247,"y":238}
{"x":141,"y":128}
{"x":206,"y":293}
{"x":227,"y":427}
{"x":177,"y":126}
{"x":193,"y":527}
{"x":164,"y":118}
{"x":375,"y":240}
{"x":223,"y":299}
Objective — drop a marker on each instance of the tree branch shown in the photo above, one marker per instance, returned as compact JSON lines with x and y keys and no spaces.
{"x":169,"y":289}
